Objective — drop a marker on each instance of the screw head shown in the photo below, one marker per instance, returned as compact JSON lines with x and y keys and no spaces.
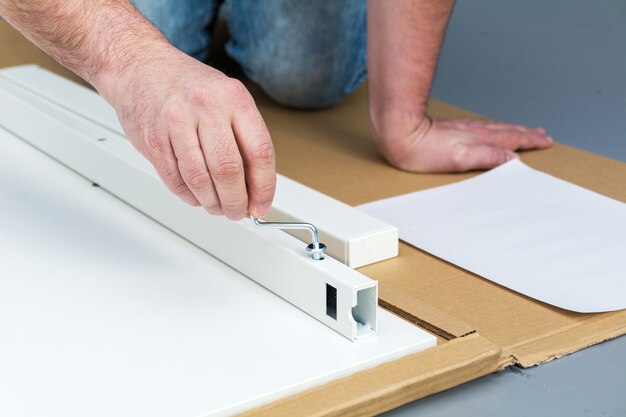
{"x":316,"y":250}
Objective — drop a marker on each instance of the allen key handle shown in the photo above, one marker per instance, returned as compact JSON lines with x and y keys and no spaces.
{"x":316,"y":248}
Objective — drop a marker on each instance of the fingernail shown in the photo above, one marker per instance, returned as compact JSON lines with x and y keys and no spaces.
{"x":261,"y":210}
{"x":550,"y":139}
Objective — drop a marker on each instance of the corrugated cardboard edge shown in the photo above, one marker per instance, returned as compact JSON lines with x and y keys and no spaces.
{"x":423,"y":314}
{"x":392,"y":384}
{"x":544,"y":349}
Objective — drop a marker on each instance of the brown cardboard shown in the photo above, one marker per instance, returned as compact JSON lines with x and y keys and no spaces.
{"x":330,"y":150}
{"x":383,"y":388}
{"x":481,"y":326}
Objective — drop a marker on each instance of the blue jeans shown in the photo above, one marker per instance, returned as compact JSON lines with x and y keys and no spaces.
{"x":303,"y":53}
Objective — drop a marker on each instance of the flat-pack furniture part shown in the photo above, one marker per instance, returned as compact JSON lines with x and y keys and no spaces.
{"x":351,"y":236}
{"x":104,"y":311}
{"x":333,"y":293}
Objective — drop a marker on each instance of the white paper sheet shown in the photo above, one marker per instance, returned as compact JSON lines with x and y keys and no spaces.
{"x":523,"y":229}
{"x":103,"y":312}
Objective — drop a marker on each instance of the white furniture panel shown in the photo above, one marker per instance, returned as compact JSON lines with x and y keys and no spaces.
{"x":104,"y":312}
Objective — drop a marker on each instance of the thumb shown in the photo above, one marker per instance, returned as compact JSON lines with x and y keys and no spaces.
{"x":484,"y":157}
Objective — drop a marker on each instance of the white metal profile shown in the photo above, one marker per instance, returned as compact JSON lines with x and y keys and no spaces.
{"x":351,"y":236}
{"x":328,"y":290}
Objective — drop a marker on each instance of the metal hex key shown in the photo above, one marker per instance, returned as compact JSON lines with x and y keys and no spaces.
{"x":315,"y":248}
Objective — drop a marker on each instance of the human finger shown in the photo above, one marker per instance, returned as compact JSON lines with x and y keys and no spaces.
{"x":257,"y":152}
{"x":468,"y":158}
{"x":190,"y":159}
{"x":226,"y":168}
{"x":514,"y":139}
{"x":156,"y":147}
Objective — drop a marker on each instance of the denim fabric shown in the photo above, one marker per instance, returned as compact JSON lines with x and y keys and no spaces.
{"x":185,"y":23}
{"x":303,"y":53}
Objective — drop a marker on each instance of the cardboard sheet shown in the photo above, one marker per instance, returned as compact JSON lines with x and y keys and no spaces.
{"x":103,"y":312}
{"x":523,"y":229}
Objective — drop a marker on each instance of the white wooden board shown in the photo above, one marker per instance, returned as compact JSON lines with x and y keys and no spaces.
{"x":104,"y":312}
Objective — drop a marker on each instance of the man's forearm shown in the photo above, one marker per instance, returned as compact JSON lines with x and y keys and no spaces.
{"x":97,"y":40}
{"x":200,"y":129}
{"x":404,"y":38}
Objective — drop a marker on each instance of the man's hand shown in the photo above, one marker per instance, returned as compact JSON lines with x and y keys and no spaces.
{"x":200,"y":129}
{"x":404,"y":38}
{"x":202,"y":132}
{"x":459,"y":145}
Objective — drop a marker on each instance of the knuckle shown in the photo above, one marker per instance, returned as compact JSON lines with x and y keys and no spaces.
{"x":194,"y":172}
{"x":238,"y":92}
{"x":178,"y":188}
{"x":173,"y":114}
{"x":236,"y":87}
{"x":263,"y":153}
{"x":228,"y":170}
{"x":496,"y":156}
{"x":198,"y":178}
{"x":200,"y":96}
{"x":170,"y":176}
{"x":153,"y":144}
{"x":459,"y":157}
{"x":265,"y":191}
{"x":479,"y":129}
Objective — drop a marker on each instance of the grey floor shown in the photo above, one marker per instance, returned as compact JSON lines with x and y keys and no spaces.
{"x":559,"y":64}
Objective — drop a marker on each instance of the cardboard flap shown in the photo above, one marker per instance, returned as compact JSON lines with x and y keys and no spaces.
{"x":423,"y":314}
{"x":597,"y":328}
{"x":385,"y":387}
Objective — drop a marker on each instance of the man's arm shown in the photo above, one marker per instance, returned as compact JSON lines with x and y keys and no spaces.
{"x":404,"y":38}
{"x":199,"y":128}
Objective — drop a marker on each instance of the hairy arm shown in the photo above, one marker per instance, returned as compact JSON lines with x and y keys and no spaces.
{"x":97,"y":41}
{"x":199,"y":128}
{"x":404,"y":39}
